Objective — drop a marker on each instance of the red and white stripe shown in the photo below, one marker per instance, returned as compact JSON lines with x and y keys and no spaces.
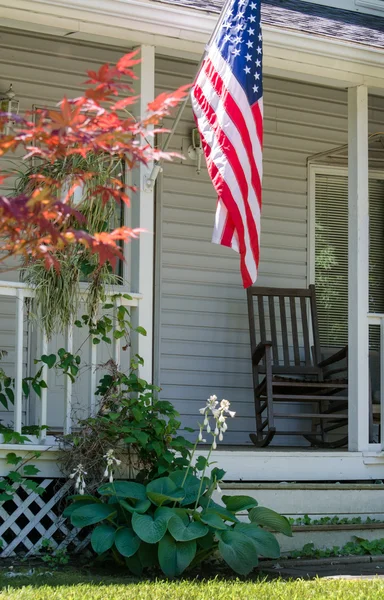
{"x":231,"y":132}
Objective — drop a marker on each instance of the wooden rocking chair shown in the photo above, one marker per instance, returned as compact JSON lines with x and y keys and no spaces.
{"x":287,"y":368}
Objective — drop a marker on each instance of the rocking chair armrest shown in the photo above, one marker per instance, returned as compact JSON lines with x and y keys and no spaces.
{"x":338,"y":356}
{"x":260,"y":351}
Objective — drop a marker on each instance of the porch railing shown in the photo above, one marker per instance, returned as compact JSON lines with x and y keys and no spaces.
{"x":377,"y":319}
{"x":20,"y":291}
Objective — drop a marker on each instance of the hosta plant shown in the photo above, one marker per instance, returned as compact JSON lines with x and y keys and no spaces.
{"x":172,"y":523}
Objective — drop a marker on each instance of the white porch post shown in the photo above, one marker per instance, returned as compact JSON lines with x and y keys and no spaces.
{"x":358,"y":259}
{"x":143,"y":216}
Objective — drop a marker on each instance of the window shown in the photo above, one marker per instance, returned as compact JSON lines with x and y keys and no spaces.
{"x":331,"y":254}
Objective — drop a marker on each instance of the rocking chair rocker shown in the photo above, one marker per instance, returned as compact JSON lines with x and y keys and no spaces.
{"x":287,"y":368}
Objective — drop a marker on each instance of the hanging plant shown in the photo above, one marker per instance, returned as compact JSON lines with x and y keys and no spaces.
{"x":57,"y":290}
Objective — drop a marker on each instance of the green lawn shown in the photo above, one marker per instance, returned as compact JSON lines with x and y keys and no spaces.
{"x":76,"y":587}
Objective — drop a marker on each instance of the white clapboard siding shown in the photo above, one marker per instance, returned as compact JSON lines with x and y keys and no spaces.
{"x":42,"y":70}
{"x":202,"y":322}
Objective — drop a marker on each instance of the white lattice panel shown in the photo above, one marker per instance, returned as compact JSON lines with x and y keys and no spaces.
{"x":28,"y":519}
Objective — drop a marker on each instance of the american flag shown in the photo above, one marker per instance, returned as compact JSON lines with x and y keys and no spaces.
{"x":227,"y":101}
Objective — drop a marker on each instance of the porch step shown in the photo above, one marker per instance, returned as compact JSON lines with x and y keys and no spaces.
{"x":319,"y":500}
{"x":328,"y":536}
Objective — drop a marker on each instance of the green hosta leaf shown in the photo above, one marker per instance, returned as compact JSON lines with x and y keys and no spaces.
{"x":184,"y":533}
{"x":164,"y":490}
{"x":148,"y":555}
{"x":213,"y":520}
{"x":238,"y":551}
{"x":175,"y":557}
{"x":102,"y":539}
{"x":152,"y":529}
{"x":207,"y":541}
{"x":239,"y":503}
{"x":270,"y":518}
{"x":265,"y":542}
{"x":126,"y":542}
{"x":134,"y":565}
{"x":223,"y":512}
{"x":49,"y":360}
{"x":191,"y":486}
{"x":139,"y":506}
{"x":123,"y":489}
{"x":76,"y":504}
{"x":91,"y":514}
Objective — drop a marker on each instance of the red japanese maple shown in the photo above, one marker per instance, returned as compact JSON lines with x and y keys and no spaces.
{"x":40,"y":222}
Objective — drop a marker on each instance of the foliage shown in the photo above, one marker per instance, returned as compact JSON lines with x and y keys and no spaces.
{"x":20,"y":475}
{"x":129,"y":417}
{"x":358,"y":547}
{"x":44,"y":218}
{"x":52,"y":557}
{"x":80,"y":586}
{"x":172,"y":522}
{"x":307,"y":521}
{"x":57,"y":291}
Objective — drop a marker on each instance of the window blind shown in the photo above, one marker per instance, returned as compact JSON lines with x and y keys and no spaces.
{"x":331,"y":256}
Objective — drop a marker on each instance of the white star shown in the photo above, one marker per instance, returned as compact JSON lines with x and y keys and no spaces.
{"x":242,"y":2}
{"x":237,"y":40}
{"x":258,"y":63}
{"x":259,"y":50}
{"x":227,"y":25}
{"x":253,"y":5}
{"x":257,"y":76}
{"x":250,"y":44}
{"x":247,"y":70}
{"x":255,"y":88}
{"x":260,"y":37}
{"x":239,"y":15}
{"x":251,"y":31}
{"x":236,"y":51}
{"x":248,"y":57}
{"x":252,"y":18}
{"x":239,"y":27}
{"x":227,"y":38}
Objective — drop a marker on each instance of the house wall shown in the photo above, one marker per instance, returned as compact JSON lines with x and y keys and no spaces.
{"x":202,"y":317}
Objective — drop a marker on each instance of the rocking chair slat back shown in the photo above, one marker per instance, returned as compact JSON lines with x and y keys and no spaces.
{"x":287,"y":319}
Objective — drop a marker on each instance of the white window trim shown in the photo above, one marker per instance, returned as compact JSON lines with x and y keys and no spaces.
{"x":314,"y":170}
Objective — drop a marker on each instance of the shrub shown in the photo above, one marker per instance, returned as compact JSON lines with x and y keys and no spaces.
{"x":172,"y":522}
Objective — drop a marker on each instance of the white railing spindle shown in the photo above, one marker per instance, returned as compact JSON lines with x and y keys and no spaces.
{"x":92,"y":376}
{"x":44,"y":391}
{"x":68,"y":385}
{"x":18,"y":406}
{"x":116,"y":343}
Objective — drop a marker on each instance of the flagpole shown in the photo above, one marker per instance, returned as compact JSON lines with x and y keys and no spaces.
{"x":150,"y":183}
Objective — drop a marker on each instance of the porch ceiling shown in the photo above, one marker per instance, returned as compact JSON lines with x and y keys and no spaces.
{"x":307,"y":17}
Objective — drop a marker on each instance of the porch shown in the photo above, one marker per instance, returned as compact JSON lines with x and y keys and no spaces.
{"x":198,"y":338}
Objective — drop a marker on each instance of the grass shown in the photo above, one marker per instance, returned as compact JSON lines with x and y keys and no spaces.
{"x":66,"y":586}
